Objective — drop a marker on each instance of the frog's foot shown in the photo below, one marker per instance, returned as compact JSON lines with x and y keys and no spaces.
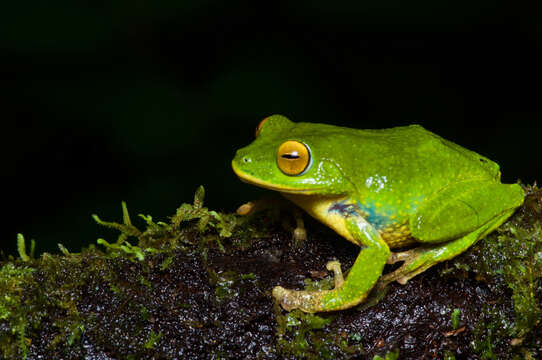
{"x":402,"y":256}
{"x":264,"y":203}
{"x":308,"y":301}
{"x":299,"y":234}
{"x":247,"y":208}
{"x":422,"y":258}
{"x":415,"y":261}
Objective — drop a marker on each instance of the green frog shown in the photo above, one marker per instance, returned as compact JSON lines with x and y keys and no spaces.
{"x":379,"y":189}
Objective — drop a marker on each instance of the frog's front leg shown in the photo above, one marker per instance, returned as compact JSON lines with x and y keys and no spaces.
{"x":299,"y":234}
{"x":360,"y":280}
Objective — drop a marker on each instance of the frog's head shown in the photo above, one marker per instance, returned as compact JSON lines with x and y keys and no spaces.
{"x":295,"y":158}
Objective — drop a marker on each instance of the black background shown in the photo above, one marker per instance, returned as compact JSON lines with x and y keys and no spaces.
{"x":143,"y":101}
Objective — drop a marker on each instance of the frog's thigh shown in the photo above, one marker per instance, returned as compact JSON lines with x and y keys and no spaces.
{"x":361,"y":278}
{"x":452,"y":220}
{"x":422,"y":258}
{"x":462,"y":208}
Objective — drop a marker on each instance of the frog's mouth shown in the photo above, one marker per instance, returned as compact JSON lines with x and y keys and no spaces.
{"x":249,"y":179}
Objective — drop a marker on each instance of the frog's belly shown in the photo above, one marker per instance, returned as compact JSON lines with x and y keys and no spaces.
{"x":332,"y":211}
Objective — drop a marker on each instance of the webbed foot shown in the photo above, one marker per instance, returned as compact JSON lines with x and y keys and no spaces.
{"x":415,"y":261}
{"x":308,"y":301}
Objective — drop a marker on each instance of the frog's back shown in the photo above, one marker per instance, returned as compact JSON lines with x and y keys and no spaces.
{"x":435,"y":142}
{"x":417,"y":152}
{"x":407,"y":152}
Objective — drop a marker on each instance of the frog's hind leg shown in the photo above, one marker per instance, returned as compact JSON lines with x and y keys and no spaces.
{"x":422,"y":258}
{"x":451,"y":220}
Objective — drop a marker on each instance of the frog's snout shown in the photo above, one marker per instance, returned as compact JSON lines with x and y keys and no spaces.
{"x":241,"y":159}
{"x":239,"y":162}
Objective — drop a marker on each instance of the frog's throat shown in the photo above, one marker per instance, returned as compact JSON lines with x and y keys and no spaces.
{"x":249,"y":179}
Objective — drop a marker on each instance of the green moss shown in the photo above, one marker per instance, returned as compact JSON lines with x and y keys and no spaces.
{"x":304,"y":336}
{"x":166,"y":263}
{"x":153,"y":339}
{"x":448,"y":355}
{"x":207,"y":219}
{"x":30,"y":294}
{"x":126,"y":228}
{"x":227,"y":283}
{"x":21,"y":248}
{"x":64,"y":250}
{"x":161,"y":236}
{"x":224,"y":285}
{"x":122,"y":247}
{"x":13,"y":308}
{"x":391,"y":355}
{"x":144,"y":312}
{"x":455,"y":319}
{"x":26,"y":298}
{"x":143,"y":281}
{"x":130,"y":251}
{"x":488,"y":335}
{"x":510,"y":260}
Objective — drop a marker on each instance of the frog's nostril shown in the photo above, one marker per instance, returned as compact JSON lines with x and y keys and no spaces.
{"x":246,"y":160}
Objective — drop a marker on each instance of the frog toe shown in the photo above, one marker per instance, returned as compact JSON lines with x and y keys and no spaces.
{"x":281,"y":295}
{"x":299,"y":235}
{"x":413,"y":264}
{"x":338,"y":278}
{"x":246,"y":209}
{"x":396,"y":257}
{"x":307,"y":301}
{"x":404,"y":273}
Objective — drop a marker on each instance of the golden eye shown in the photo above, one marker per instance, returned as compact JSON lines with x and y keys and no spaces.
{"x":293,"y":157}
{"x":260,"y":125}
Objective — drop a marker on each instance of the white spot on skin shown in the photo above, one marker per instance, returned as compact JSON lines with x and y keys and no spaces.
{"x":376,"y":183}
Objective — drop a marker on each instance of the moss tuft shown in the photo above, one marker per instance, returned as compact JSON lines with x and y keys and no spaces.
{"x":301,"y":336}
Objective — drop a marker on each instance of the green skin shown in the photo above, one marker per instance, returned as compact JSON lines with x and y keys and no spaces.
{"x":381,"y":189}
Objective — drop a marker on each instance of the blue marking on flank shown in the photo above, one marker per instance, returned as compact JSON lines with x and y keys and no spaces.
{"x":378,"y":216}
{"x":343,"y":208}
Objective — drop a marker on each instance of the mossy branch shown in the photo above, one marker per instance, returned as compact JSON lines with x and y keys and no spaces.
{"x":81,"y":294}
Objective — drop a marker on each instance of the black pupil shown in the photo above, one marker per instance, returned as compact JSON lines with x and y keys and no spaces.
{"x":291,"y":156}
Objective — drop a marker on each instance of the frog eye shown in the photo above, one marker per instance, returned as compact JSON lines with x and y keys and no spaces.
{"x":293,"y":157}
{"x":260,"y":125}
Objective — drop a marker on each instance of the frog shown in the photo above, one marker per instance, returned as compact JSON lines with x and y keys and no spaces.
{"x":397,"y":188}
